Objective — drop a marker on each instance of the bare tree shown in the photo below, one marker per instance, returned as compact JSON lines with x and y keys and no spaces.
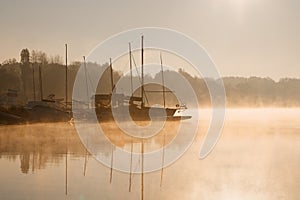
{"x":34,"y":57}
{"x":39,"y":57}
{"x":57,"y":59}
{"x":42,"y":58}
{"x":9,"y":61}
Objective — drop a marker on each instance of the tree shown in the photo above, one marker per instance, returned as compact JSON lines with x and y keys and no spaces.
{"x":42,"y":58}
{"x":9,"y":61}
{"x":34,"y":56}
{"x":39,"y":57}
{"x":24,"y":56}
{"x":56,"y":59}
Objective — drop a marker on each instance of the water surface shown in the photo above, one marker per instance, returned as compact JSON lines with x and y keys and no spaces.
{"x":257,"y":157}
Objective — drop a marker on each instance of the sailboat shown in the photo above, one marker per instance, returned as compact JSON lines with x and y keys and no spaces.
{"x":137,"y":108}
{"x":49,"y":109}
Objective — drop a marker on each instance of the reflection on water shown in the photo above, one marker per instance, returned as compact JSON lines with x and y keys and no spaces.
{"x":257,"y":157}
{"x":38,"y":144}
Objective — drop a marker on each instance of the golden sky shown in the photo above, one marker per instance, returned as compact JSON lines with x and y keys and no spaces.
{"x":243,"y":37}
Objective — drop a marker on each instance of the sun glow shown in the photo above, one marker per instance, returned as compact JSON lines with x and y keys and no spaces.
{"x":242,"y":5}
{"x":237,"y":6}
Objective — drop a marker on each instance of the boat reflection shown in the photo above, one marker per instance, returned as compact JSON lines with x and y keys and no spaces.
{"x":39,"y":144}
{"x":35,"y":145}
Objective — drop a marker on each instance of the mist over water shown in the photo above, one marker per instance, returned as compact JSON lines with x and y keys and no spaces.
{"x":257,"y":157}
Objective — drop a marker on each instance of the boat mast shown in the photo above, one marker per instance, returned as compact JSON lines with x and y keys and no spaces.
{"x":130,"y":65}
{"x":111,"y":76}
{"x":163,"y":81}
{"x":66,"y":86}
{"x":142,"y":65}
{"x":86,"y":82}
{"x":41,"y":83}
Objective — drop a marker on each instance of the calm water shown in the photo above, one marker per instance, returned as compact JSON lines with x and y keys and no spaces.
{"x":257,"y":157}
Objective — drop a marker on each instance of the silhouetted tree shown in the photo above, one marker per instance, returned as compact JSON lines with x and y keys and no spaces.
{"x":39,"y":57}
{"x":56,"y":59}
{"x":34,"y":56}
{"x":24,"y":56}
{"x":9,"y":61}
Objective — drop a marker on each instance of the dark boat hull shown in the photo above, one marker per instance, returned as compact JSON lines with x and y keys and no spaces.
{"x":140,"y":114}
{"x":46,"y":114}
{"x":8,"y":118}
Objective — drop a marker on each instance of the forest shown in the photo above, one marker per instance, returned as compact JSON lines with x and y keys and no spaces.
{"x":24,"y":77}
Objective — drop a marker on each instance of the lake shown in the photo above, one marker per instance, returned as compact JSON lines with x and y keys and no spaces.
{"x":257,"y":157}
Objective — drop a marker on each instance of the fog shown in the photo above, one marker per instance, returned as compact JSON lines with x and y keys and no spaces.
{"x":257,"y":157}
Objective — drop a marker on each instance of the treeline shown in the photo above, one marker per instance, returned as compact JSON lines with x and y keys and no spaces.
{"x":252,"y":91}
{"x":241,"y":92}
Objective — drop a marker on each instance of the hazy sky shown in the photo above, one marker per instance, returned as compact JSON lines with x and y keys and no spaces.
{"x":243,"y":37}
